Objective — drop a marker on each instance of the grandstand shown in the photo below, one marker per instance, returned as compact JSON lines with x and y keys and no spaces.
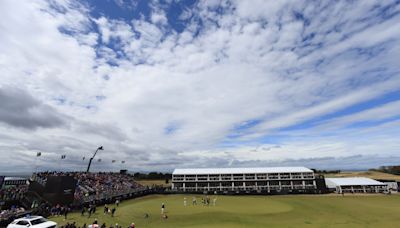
{"x":46,"y":192}
{"x":247,"y":180}
{"x":94,"y":186}
{"x":14,"y":181}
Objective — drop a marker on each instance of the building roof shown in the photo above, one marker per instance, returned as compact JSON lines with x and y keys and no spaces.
{"x":351,"y":181}
{"x":241,"y":170}
{"x":14,"y":178}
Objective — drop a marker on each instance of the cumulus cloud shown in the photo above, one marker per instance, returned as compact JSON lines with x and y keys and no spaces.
{"x":233,"y":77}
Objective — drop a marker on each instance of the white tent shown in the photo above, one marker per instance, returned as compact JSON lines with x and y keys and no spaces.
{"x":355,"y":184}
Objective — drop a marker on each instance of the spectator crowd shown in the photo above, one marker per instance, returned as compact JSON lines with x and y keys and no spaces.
{"x":95,"y":224}
{"x":90,"y":188}
{"x":13,"y":192}
{"x":5,"y":214}
{"x":96,"y":186}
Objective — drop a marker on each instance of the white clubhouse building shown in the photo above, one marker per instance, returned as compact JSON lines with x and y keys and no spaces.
{"x":269,"y":180}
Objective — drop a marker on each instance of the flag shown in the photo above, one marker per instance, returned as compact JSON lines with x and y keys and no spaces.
{"x":113,"y":161}
{"x":63,"y":156}
{"x":38,"y":154}
{"x":122,"y":162}
{"x":99,"y":160}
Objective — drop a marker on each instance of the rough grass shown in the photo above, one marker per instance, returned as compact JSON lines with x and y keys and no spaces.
{"x":255,"y":211}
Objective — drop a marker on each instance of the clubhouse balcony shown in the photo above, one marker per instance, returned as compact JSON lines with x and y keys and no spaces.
{"x":243,"y":179}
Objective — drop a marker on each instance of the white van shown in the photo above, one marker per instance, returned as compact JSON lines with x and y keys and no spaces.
{"x":33,"y":222}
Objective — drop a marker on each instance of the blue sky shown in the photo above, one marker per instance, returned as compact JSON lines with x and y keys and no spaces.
{"x":165,"y":84}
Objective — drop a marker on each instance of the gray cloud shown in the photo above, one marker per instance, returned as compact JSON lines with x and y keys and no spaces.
{"x":20,"y":109}
{"x":102,"y":129}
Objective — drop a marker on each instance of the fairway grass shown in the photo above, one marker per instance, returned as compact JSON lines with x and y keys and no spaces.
{"x":254,"y":211}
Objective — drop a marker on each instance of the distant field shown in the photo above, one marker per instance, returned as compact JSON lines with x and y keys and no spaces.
{"x":369,"y":174}
{"x":256,"y":211}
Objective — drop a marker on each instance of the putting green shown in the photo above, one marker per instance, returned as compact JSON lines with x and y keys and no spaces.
{"x":253,"y":211}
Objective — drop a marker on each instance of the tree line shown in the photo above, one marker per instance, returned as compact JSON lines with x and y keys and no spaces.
{"x":389,"y":169}
{"x":325,"y":171}
{"x":152,"y":176}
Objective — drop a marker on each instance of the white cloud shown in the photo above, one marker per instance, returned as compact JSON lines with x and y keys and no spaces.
{"x":386,"y":111}
{"x":159,"y":17}
{"x":104,"y":28}
{"x":124,"y":86}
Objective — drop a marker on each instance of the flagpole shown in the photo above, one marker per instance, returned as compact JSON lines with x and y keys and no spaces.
{"x":123,"y":165}
{"x":83,"y":161}
{"x":59,"y":164}
{"x":113,"y":165}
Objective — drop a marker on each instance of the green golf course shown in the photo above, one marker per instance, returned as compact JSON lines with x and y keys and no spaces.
{"x":252,"y":211}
